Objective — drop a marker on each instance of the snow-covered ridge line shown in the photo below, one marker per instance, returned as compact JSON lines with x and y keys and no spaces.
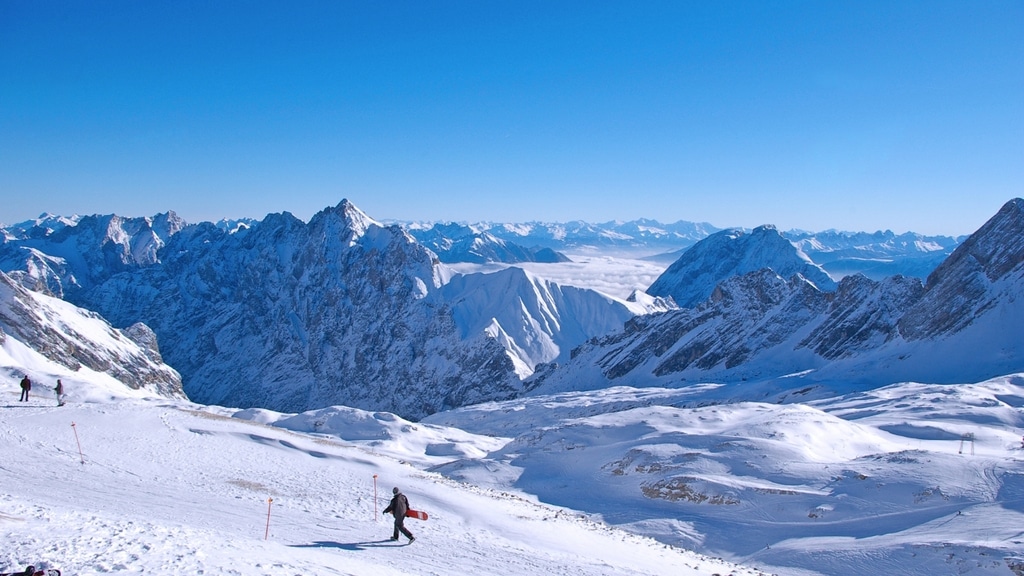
{"x":758,"y":328}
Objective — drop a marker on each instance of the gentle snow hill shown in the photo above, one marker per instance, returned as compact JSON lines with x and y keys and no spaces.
{"x":913,"y":479}
{"x":169,"y":487}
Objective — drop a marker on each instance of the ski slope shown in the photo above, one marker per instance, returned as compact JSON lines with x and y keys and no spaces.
{"x":169,"y":487}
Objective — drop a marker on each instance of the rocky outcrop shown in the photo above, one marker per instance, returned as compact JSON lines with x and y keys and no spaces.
{"x":963,"y":324}
{"x":459,"y":243}
{"x":76,"y":338}
{"x":693,"y":277}
{"x":985,"y":269}
{"x":294,"y":316}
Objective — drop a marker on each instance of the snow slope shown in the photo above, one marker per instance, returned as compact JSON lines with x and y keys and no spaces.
{"x":883,"y":481}
{"x":537,"y":321}
{"x":910,"y":479}
{"x":168,"y":487}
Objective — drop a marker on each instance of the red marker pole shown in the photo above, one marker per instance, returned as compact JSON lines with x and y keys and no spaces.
{"x":374,"y":497}
{"x":267,"y":533}
{"x":80,"y":455}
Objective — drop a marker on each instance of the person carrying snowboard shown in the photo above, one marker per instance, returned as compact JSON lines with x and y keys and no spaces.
{"x":399,"y":506}
{"x":59,"y":389}
{"x":26,"y":385}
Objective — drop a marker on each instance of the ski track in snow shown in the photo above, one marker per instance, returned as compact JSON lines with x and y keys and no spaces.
{"x":175,"y":488}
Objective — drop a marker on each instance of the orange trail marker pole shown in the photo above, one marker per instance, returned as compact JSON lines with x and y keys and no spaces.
{"x":267,"y":533}
{"x":374,"y":497}
{"x":80,"y":455}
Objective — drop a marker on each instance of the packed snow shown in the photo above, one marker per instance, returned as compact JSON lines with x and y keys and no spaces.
{"x":119,"y":481}
{"x":909,"y":479}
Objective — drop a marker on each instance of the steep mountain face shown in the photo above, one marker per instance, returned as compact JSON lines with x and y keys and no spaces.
{"x":292,"y":316}
{"x":342,"y":310}
{"x":74,"y":338}
{"x":963,"y":324}
{"x":460,"y":243}
{"x":693,"y":277}
{"x":876,"y":255}
{"x":984,"y":271}
{"x":58,"y":256}
{"x":538,"y":321}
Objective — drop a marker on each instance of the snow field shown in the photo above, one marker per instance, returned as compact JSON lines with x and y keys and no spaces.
{"x":875,"y":482}
{"x":175,"y":488}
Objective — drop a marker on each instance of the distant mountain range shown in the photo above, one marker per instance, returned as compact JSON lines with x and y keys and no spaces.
{"x":787,"y":333}
{"x":637,"y":237}
{"x":292,"y":316}
{"x":876,"y":255}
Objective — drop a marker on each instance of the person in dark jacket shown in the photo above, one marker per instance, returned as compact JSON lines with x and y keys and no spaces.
{"x":59,"y":389}
{"x":399,"y":506}
{"x":26,"y":385}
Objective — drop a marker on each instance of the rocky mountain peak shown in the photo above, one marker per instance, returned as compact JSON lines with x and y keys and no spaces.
{"x":354,"y":222}
{"x":995,"y":249}
{"x":693,"y":277}
{"x":985,"y":269}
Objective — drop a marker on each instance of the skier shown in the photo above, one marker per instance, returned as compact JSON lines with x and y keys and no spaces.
{"x":59,"y":389}
{"x":399,"y":506}
{"x":26,"y":385}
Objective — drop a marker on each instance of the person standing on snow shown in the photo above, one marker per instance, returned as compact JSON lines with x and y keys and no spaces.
{"x":399,"y":506}
{"x":26,"y":385}
{"x":59,"y":389}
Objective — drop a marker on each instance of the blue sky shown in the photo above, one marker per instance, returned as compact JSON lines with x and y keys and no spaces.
{"x":814,"y":115}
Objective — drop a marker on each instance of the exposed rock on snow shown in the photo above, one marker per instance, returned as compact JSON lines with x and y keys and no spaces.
{"x":692,"y":278}
{"x":74,"y":338}
{"x":963,"y":325}
{"x":460,"y":243}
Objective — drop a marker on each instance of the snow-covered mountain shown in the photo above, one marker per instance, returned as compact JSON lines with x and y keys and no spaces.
{"x":644,"y":236}
{"x":963,"y":325}
{"x":59,"y":255}
{"x":693,"y":277}
{"x":293,"y":316}
{"x":537,"y":321}
{"x":46,"y":338}
{"x":461,"y":243}
{"x":343,"y":310}
{"x":289,"y":315}
{"x":876,"y":255}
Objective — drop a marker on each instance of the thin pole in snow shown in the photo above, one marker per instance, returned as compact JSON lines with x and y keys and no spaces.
{"x":80,"y":455}
{"x":374,"y":497}
{"x":267,"y":533}
{"x":968,"y":437}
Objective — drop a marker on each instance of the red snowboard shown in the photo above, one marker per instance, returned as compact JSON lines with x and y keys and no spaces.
{"x":416,"y":514}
